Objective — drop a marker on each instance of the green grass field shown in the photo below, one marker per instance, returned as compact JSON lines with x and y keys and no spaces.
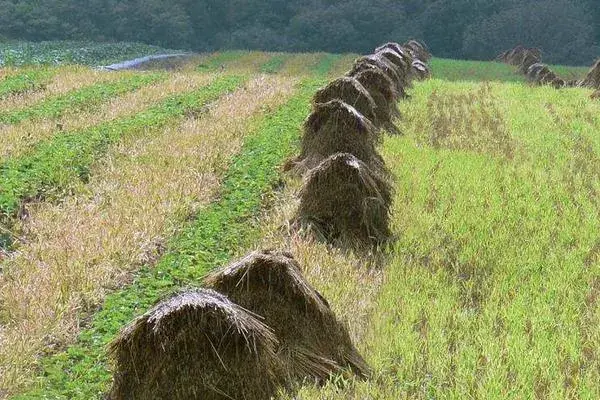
{"x":491,"y":289}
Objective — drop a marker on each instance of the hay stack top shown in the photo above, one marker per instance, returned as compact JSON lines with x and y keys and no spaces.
{"x":274,"y":271}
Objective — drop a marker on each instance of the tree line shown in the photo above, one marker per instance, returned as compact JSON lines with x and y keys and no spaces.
{"x":568,"y":31}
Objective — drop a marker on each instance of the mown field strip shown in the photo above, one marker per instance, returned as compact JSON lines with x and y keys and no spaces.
{"x":339,"y":64}
{"x":220,"y":231}
{"x":57,"y":164}
{"x":119,"y":221}
{"x":19,"y":139}
{"x":492,"y":290}
{"x":238,"y":62}
{"x":78,"y":100}
{"x":64,"y":80}
{"x":298,"y":64}
{"x":275,"y":63}
{"x":24,"y":81}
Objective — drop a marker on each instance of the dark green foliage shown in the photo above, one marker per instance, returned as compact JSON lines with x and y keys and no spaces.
{"x":18,"y":53}
{"x":567,"y":30}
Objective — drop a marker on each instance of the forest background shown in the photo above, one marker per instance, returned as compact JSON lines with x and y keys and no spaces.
{"x":568,"y":31}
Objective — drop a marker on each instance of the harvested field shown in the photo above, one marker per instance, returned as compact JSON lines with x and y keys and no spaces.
{"x":461,"y":263}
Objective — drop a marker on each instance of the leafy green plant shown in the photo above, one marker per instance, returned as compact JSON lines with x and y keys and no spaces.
{"x":326,"y":63}
{"x":25,"y":81}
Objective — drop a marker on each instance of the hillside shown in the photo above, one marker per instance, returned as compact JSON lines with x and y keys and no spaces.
{"x":119,"y":188}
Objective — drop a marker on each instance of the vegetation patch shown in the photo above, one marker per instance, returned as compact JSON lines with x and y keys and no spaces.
{"x":223,"y":58}
{"x":25,"y":81}
{"x":52,"y":165}
{"x":78,"y":100}
{"x":18,"y":53}
{"x":274,"y":64}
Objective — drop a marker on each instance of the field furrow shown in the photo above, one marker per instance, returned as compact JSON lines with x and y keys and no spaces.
{"x":133,"y":202}
{"x":61,"y":162}
{"x":78,"y":100}
{"x":19,"y":139}
{"x":218,"y":232}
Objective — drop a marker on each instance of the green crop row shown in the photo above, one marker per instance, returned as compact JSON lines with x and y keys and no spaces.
{"x":218,"y":233}
{"x":53,"y":165}
{"x":78,"y":100}
{"x":274,"y":64}
{"x":215,"y":60}
{"x":27,"y":81}
{"x":326,"y":63}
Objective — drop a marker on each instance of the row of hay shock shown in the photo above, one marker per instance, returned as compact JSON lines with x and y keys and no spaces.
{"x":529,"y":63}
{"x":346,"y":196}
{"x":258,"y":329}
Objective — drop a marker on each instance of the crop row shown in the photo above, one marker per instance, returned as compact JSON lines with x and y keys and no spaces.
{"x":22,"y":82}
{"x":84,"y":98}
{"x":55,"y":164}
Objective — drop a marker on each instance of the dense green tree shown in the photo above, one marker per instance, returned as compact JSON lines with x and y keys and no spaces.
{"x":567,"y":30}
{"x":561,"y":28}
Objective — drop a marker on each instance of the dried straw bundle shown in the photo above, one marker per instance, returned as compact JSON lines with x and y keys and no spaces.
{"x":196,"y":345}
{"x":592,"y":79}
{"x":381,"y":63}
{"x":400,"y":63}
{"x":313,"y":344}
{"x":418,"y":50}
{"x":384,"y":94}
{"x":345,"y":203}
{"x":420,"y":70}
{"x":351,"y":92}
{"x":336,"y":127}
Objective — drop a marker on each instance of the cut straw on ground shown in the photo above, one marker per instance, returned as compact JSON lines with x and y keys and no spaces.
{"x":66,"y":79}
{"x":78,"y":100}
{"x":53,"y":166}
